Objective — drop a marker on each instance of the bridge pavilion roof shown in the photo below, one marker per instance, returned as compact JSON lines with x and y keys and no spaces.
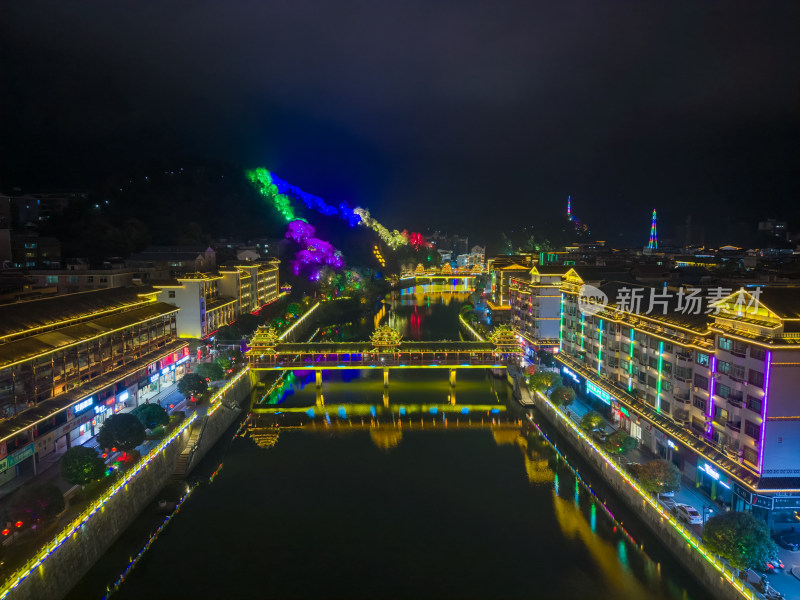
{"x":356,"y":347}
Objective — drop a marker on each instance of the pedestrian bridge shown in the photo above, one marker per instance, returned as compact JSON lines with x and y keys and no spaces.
{"x":384,"y":350}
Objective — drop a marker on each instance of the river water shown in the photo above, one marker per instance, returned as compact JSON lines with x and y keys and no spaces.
{"x":448,"y":498}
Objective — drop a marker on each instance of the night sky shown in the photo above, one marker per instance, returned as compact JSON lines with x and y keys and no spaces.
{"x":468,"y":115}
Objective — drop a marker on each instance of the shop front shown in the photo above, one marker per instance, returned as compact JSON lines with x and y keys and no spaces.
{"x":714,"y":482}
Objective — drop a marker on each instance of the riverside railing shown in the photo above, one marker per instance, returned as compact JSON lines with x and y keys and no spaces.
{"x":71,"y":529}
{"x":651,"y":503}
{"x":18,"y":576}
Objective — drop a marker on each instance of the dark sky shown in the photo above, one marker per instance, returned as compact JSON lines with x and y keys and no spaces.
{"x":457,"y":114}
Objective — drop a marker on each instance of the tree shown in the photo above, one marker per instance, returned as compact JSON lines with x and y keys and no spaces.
{"x":211,"y":371}
{"x":546,"y":358}
{"x":247,"y":323}
{"x":562,"y":396}
{"x":739,"y":537}
{"x":228,"y":359}
{"x":191,"y":384}
{"x":543,"y":381}
{"x":37,"y":503}
{"x":659,"y":476}
{"x":123,"y":431}
{"x":592,"y":420}
{"x":151,"y":415}
{"x":228,"y":333}
{"x":293,"y":310}
{"x":81,"y":465}
{"x":620,"y":442}
{"x":506,"y":246}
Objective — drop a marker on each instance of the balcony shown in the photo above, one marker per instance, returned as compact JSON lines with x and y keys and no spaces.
{"x":736,"y":399}
{"x":737,"y":426}
{"x":683,"y":398}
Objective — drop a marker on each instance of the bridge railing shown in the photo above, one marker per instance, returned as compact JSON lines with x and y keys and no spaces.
{"x":386,"y":361}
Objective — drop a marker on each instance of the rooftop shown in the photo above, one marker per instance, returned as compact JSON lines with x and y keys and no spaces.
{"x":24,"y":318}
{"x":28,"y":347}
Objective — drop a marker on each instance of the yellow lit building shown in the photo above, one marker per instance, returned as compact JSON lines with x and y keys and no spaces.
{"x":208,"y":301}
{"x":69,"y":361}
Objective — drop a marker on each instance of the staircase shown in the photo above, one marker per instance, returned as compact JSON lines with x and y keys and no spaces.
{"x":182,"y":463}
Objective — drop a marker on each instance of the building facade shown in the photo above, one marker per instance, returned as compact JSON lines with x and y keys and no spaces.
{"x":68,"y":362}
{"x":208,"y":301}
{"x":714,"y":393}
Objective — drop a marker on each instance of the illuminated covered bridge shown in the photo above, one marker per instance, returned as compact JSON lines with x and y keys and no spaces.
{"x":384,"y":350}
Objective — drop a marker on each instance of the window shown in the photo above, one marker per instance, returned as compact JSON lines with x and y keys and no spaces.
{"x":51,"y":279}
{"x":700,"y":403}
{"x":725,"y":344}
{"x":754,"y":404}
{"x":723,"y":391}
{"x":666,"y":386}
{"x":701,"y":381}
{"x":626,"y":348}
{"x":171,"y":294}
{"x":755,"y":378}
{"x":720,"y":414}
{"x":667,"y":347}
{"x":753,"y":430}
{"x":104,"y":280}
{"x":684,"y":373}
{"x":653,"y":361}
{"x":702,"y":359}
{"x":738,"y":372}
{"x":651,"y":381}
{"x":698,"y":424}
{"x":724,"y":367}
{"x":90,"y":279}
{"x":758,"y":353}
{"x":666,"y":368}
{"x":750,"y":455}
{"x":665,"y":408}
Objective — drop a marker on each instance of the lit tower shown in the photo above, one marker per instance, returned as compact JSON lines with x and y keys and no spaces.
{"x":569,"y":208}
{"x":653,"y":243}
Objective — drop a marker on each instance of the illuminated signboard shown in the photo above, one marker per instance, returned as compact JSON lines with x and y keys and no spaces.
{"x":569,"y":373}
{"x":154,"y":378}
{"x":712,"y":472}
{"x":183,"y":360}
{"x":100,"y":409}
{"x":122,"y":397}
{"x":672,"y":444}
{"x":596,"y":391}
{"x":83,"y":405}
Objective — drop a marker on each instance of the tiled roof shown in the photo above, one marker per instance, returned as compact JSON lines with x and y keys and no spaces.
{"x":29,"y":347}
{"x":19,"y":317}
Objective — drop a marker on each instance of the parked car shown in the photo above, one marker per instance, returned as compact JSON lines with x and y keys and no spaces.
{"x":789,"y":540}
{"x":688,"y":514}
{"x":600,"y":436}
{"x":667,"y":502}
{"x":773,"y":564}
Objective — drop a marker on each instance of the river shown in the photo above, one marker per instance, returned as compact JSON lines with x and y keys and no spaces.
{"x":455,"y":502}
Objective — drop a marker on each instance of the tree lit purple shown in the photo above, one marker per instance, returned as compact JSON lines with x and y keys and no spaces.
{"x":316,"y":254}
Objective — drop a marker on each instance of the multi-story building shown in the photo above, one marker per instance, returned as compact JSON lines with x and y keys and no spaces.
{"x":70,"y":281}
{"x":69,"y":361}
{"x":535,"y":306}
{"x":210,"y":300}
{"x":713,"y":392}
{"x":178,"y":259}
{"x":28,"y":251}
{"x":502,"y":270}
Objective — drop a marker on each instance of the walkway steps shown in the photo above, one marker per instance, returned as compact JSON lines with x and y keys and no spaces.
{"x":185,"y":456}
